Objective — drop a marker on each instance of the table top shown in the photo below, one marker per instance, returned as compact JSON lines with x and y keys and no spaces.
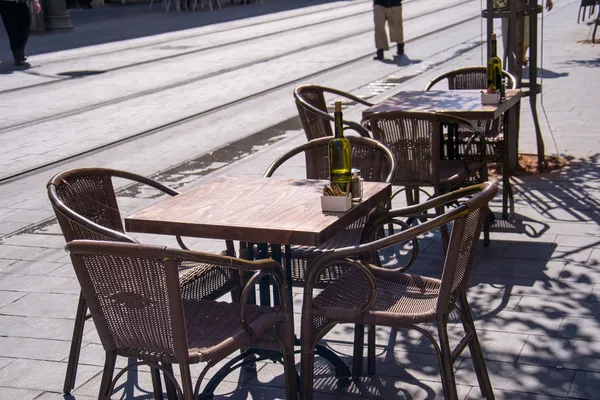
{"x":461,"y":103}
{"x":254,"y":209}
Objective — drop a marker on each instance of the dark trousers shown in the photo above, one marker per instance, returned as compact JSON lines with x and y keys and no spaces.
{"x":17,"y":21}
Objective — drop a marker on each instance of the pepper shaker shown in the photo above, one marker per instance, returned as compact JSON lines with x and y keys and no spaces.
{"x":357,"y":185}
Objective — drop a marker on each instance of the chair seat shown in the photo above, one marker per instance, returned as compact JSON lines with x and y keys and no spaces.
{"x":214,"y":328}
{"x":205,"y":281}
{"x":456,"y":171}
{"x":400,"y":298}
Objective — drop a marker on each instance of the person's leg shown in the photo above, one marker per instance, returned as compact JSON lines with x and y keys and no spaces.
{"x":396,"y":28}
{"x":381,"y":42}
{"x":23,"y":18}
{"x":525,"y":40}
{"x":11,"y":24}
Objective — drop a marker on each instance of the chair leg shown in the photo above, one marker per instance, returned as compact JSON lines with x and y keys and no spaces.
{"x":359,"y":344}
{"x":475,"y":348}
{"x":156,"y":385}
{"x":169,"y":387}
{"x":444,"y":228}
{"x":371,"y":349}
{"x":307,"y":366}
{"x":107,"y":376}
{"x":289,"y":366}
{"x":446,"y":370}
{"x":75,"y":345}
{"x":186,"y":381}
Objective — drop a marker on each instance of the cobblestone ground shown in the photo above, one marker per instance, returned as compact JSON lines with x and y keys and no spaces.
{"x":535,"y":291}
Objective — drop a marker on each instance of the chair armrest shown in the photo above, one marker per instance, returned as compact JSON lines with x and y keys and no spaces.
{"x":277,"y":273}
{"x":324,"y":261}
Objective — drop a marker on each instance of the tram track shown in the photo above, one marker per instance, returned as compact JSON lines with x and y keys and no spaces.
{"x":195,"y":51}
{"x":173,"y":85}
{"x":23,"y":173}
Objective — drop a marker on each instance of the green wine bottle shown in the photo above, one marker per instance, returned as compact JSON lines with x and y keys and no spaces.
{"x":340,"y":154}
{"x":494,"y":68}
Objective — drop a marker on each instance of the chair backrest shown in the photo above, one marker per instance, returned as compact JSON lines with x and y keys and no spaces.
{"x":414,"y":139}
{"x":463,"y":242}
{"x":314,"y":124}
{"x":375,"y":161}
{"x":470,"y":78}
{"x":133,"y":294}
{"x":312,"y":109}
{"x":85,"y":202}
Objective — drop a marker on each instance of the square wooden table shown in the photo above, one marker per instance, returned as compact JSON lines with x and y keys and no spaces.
{"x":466,"y":104}
{"x":254,"y":209}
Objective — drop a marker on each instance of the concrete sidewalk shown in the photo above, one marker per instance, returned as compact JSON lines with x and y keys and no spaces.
{"x":535,"y":291}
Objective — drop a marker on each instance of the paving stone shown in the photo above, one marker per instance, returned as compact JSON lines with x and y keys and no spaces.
{"x":60,"y":396}
{"x":578,"y":241}
{"x":35,"y":284}
{"x":7,"y":297}
{"x":31,"y":268}
{"x":8,"y":320}
{"x":561,"y":353}
{"x":20,"y":394}
{"x":5,"y":361}
{"x":584,"y":328}
{"x":518,"y":268}
{"x":38,"y":327}
{"x":496,"y":346}
{"x":531,"y":287}
{"x":586,"y":385}
{"x":580,"y":273}
{"x":517,"y":322}
{"x":43,"y":305}
{"x":42,"y":375}
{"x":475,"y":394}
{"x":519,"y":377}
{"x":556,"y":307}
{"x":41,"y":349}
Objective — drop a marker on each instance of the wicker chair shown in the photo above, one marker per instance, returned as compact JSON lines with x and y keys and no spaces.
{"x":376,"y":163}
{"x":316,"y":120}
{"x":86,"y":207}
{"x":415,"y":138}
{"x":475,"y":78}
{"x":371,"y":295}
{"x":137,"y":306}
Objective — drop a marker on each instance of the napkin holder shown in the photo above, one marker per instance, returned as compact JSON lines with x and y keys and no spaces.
{"x":336,"y":203}
{"x":490,"y":99}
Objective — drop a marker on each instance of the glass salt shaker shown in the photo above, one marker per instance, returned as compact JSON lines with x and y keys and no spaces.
{"x":357,"y":185}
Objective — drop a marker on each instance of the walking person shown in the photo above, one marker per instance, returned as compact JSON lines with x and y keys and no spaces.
{"x":17,"y":21}
{"x":390,"y":11}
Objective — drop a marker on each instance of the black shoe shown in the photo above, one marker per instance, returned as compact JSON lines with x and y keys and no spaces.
{"x":400,"y":49}
{"x":378,"y":55}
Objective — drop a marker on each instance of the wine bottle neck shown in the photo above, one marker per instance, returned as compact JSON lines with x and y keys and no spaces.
{"x":494,"y":48}
{"x":339,"y":126}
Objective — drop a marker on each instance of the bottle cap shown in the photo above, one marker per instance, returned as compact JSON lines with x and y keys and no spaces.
{"x":338,"y":106}
{"x":493,"y":36}
{"x":355,"y":172}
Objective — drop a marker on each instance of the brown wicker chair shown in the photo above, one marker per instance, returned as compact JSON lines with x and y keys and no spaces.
{"x":86,"y":207}
{"x":415,"y":138}
{"x":372,"y":295}
{"x":136,"y":302}
{"x":376,"y":163}
{"x":475,"y":78}
{"x":316,"y":120}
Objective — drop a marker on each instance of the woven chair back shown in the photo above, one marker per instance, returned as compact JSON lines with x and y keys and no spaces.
{"x":314,"y":125}
{"x":470,"y":78}
{"x":461,"y":250}
{"x":93,"y":197}
{"x":134,"y":297}
{"x":414,"y":139}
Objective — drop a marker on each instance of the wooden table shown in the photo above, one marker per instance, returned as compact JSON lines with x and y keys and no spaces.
{"x":254,"y":209}
{"x":466,"y":104}
{"x":258,"y":210}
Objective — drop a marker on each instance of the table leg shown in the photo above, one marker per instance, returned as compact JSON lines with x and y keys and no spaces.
{"x":276,"y":256}
{"x":264,"y":284}
{"x":509,"y":126}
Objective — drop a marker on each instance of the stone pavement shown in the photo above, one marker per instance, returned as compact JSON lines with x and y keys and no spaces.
{"x":535,"y":291}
